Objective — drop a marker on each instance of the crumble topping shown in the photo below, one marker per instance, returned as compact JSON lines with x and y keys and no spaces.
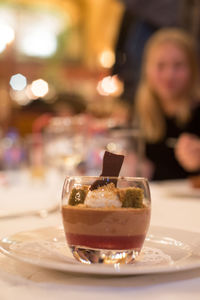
{"x":103,"y":196}
{"x":107,"y":196}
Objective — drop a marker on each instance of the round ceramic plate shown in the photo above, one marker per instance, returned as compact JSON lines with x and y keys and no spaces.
{"x":180,"y":189}
{"x":165,"y":250}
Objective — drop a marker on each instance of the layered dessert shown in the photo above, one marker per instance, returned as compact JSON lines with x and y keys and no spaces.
{"x":106,"y":217}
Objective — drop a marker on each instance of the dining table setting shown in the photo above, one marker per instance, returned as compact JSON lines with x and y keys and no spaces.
{"x":99,"y":150}
{"x":36,"y":263}
{"x":114,"y":247}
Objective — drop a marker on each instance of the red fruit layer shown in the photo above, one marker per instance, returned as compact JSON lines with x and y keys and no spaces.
{"x":106,"y":242}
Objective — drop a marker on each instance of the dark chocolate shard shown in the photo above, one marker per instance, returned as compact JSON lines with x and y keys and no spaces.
{"x":112,"y":164}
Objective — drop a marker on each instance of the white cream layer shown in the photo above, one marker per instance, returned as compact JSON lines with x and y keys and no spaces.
{"x":102,"y":197}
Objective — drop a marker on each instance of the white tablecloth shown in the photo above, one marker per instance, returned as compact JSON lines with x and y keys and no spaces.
{"x":24,"y":282}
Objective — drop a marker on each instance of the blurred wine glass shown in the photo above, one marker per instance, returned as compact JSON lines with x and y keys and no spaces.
{"x":64,"y":143}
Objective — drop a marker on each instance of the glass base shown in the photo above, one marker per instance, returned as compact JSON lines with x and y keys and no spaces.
{"x":103,"y":256}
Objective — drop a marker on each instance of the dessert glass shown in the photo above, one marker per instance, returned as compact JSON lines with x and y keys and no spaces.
{"x":105,"y":233}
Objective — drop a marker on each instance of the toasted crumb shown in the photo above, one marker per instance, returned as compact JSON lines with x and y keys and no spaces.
{"x":108,"y":187}
{"x":81,"y":205}
{"x":105,"y":195}
{"x":85,"y":188}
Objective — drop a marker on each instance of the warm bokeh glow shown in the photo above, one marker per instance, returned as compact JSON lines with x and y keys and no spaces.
{"x":107,"y":58}
{"x":7,"y":35}
{"x":18,"y":82}
{"x":110,"y":85}
{"x":112,"y":147}
{"x":39,"y":88}
{"x":19,"y":97}
{"x":29,"y":93}
{"x":39,"y":42}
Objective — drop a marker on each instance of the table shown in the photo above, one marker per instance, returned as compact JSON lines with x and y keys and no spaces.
{"x":22,"y":281}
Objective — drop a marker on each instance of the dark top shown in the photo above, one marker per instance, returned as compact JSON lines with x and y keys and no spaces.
{"x":162,"y":153}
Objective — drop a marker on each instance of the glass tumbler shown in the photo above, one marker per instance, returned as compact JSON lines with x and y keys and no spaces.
{"x":105,"y":219}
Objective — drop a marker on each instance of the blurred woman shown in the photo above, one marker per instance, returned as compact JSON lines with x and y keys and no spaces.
{"x":167,"y":105}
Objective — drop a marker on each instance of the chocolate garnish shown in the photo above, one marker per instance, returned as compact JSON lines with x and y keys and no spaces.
{"x":112,"y":164}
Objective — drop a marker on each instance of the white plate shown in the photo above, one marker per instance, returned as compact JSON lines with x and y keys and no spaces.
{"x":179,"y":189}
{"x":165,"y":250}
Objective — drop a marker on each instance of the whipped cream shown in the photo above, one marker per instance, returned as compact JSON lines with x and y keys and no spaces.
{"x":104,"y":196}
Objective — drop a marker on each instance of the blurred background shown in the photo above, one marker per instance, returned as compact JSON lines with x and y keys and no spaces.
{"x":48,"y":47}
{"x":68,"y":74}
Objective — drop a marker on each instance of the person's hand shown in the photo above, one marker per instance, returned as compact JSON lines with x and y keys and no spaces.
{"x":187,"y":152}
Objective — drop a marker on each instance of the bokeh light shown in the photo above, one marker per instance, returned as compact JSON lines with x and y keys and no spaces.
{"x":110,"y":85}
{"x":112,"y":147}
{"x":19,"y":97}
{"x":18,"y":82}
{"x":107,"y":58}
{"x":29,"y":93}
{"x":39,"y":88}
{"x":7,"y":35}
{"x":39,"y":42}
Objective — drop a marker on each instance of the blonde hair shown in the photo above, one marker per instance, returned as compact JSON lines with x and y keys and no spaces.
{"x":147,"y":104}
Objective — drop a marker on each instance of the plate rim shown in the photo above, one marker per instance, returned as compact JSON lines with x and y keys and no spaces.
{"x":101,"y":269}
{"x":173,"y":188}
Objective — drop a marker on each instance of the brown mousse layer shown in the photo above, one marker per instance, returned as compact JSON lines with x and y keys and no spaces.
{"x":106,"y":228}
